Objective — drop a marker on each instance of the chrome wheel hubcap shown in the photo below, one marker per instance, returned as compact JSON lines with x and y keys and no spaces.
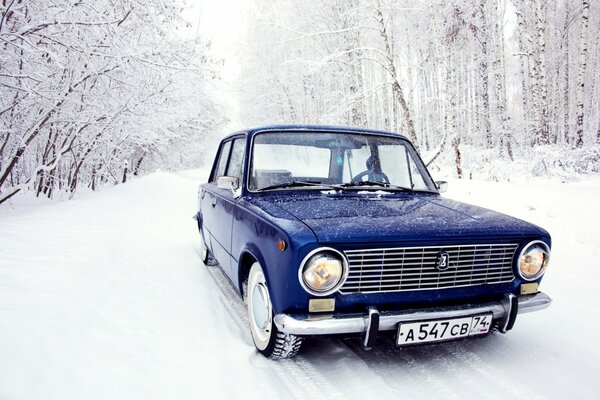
{"x":260,"y":311}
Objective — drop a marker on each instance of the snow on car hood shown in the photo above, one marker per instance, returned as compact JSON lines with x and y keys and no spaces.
{"x":337,"y":218}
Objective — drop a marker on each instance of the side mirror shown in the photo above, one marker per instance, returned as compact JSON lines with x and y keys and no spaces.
{"x":442,"y":186}
{"x":228,"y":182}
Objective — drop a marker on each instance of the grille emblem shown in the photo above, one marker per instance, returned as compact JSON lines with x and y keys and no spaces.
{"x":442,"y":261}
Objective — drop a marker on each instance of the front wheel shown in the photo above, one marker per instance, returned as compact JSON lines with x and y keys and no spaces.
{"x":268,"y":340}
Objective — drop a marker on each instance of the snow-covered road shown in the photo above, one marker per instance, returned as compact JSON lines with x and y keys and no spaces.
{"x":105,"y":297}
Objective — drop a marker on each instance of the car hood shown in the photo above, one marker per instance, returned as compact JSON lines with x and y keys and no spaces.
{"x":373,"y":217}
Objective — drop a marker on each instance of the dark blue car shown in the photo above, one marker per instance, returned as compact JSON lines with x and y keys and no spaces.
{"x":342,"y":231}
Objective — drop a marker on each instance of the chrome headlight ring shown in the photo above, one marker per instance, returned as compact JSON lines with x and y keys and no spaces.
{"x":310,"y":257}
{"x":529,"y":248}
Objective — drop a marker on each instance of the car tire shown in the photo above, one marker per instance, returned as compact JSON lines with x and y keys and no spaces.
{"x":205,"y":256}
{"x":203,"y":251}
{"x":269,"y":341}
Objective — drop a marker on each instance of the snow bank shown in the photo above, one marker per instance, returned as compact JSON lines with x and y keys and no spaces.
{"x":555,"y":162}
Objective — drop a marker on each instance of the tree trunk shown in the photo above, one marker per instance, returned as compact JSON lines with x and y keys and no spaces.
{"x":499,"y":66}
{"x":565,"y":82}
{"x":457,"y":157}
{"x":125,"y":170}
{"x":356,"y":87}
{"x":396,"y":87}
{"x":542,"y":131}
{"x":581,"y":72}
{"x":484,"y":76}
{"x":524,"y":53}
{"x":136,"y":168}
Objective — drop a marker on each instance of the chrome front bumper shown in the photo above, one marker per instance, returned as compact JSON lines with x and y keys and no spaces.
{"x":504,"y":311}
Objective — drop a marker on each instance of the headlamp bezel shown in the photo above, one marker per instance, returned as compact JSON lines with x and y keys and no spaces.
{"x":524,"y":250}
{"x":341,"y":281}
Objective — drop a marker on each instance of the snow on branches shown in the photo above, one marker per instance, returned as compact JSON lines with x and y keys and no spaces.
{"x":86,"y":85}
{"x":501,"y":76}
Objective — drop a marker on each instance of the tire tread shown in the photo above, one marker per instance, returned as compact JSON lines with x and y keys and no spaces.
{"x":286,"y":346}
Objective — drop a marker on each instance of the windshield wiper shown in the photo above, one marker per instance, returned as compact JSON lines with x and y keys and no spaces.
{"x":291,"y":184}
{"x":347,"y":185}
{"x":374,"y":183}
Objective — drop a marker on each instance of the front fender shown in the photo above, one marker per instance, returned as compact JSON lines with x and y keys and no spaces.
{"x":258,"y":233}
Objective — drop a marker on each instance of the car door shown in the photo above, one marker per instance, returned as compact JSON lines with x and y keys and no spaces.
{"x":223,"y":203}
{"x":208,"y":199}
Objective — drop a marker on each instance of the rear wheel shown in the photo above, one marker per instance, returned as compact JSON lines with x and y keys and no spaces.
{"x":268,"y":340}
{"x":203,"y":251}
{"x":205,"y":256}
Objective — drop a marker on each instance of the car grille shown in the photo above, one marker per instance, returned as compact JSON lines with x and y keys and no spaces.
{"x":414,"y":268}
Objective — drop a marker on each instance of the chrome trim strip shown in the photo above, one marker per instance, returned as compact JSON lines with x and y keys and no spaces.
{"x":375,"y":265}
{"x":429,"y":275}
{"x":424,"y":280}
{"x":432,"y":247}
{"x":427,"y":288}
{"x":329,"y":324}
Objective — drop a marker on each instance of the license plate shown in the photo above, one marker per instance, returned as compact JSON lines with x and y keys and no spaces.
{"x":442,"y":330}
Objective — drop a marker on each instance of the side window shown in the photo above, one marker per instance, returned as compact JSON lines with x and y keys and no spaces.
{"x":222,"y":160}
{"x":236,"y":163}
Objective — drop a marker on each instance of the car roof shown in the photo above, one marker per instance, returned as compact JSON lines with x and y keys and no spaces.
{"x":310,"y":128}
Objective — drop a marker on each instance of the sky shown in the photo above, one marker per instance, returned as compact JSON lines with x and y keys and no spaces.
{"x":223,"y":22}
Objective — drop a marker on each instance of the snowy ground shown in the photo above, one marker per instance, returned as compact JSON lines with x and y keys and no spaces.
{"x":104,"y":297}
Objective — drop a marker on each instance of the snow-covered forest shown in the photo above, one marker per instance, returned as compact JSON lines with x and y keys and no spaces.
{"x":475,"y":82}
{"x":93,"y":92}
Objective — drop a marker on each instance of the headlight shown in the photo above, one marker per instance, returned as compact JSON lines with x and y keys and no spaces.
{"x":533,"y":260}
{"x":323,"y":271}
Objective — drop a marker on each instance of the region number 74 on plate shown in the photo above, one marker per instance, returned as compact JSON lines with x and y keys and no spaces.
{"x":442,"y":330}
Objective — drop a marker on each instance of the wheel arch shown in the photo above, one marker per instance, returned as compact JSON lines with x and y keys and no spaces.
{"x":250,"y":254}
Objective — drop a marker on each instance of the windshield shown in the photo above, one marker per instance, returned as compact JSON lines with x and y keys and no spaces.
{"x":340,"y":160}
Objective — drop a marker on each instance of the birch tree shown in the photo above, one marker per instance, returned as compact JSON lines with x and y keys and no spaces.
{"x":581,"y":71}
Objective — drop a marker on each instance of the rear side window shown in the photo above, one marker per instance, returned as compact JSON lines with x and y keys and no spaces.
{"x":236,"y":161}
{"x":223,"y":160}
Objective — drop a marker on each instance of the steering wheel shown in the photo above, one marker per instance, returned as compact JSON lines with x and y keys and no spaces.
{"x":371,"y":176}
